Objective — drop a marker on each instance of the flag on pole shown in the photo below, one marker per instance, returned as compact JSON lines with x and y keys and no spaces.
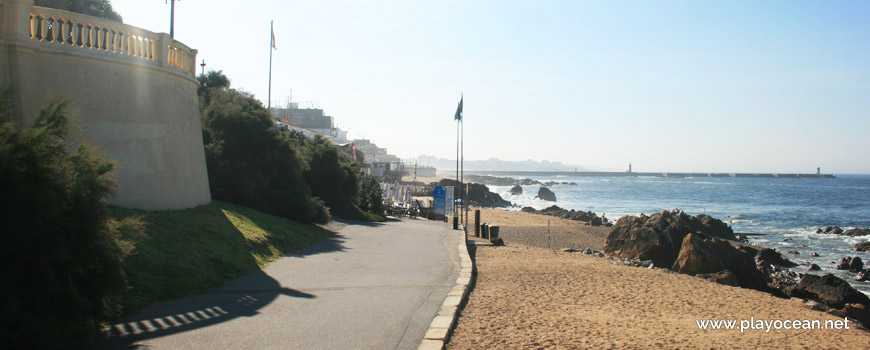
{"x":273,"y":37}
{"x":353,"y":150}
{"x":458,"y":115}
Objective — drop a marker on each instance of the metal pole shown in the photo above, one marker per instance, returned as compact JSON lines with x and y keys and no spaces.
{"x":172,"y":20}
{"x":455,"y":216}
{"x":203,"y":67}
{"x":269,"y":98}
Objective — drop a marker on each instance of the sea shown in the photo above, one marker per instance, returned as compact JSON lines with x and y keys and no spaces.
{"x":780,"y":213}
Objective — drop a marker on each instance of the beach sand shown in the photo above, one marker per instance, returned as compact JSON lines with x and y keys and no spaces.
{"x":533,"y":298}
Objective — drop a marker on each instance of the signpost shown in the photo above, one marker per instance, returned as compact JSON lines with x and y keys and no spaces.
{"x":448,"y":201}
{"x":439,"y":200}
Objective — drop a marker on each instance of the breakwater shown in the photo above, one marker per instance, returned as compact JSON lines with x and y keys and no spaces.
{"x":648,"y":174}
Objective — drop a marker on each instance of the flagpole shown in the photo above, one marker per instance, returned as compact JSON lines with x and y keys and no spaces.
{"x":456,"y":217}
{"x":271,"y":46}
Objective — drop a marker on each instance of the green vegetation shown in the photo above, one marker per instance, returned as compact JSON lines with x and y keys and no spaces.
{"x":60,"y":250}
{"x":254,"y":163}
{"x":97,"y":8}
{"x":187,"y":252}
{"x":371,"y":196}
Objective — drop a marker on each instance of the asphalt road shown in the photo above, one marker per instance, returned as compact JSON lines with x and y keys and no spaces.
{"x":372,"y":286}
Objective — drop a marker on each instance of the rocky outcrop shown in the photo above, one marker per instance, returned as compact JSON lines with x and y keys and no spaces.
{"x":562,"y":213}
{"x":863,"y":275}
{"x":659,"y":237}
{"x":863,"y":247}
{"x":516,"y":190}
{"x":832,"y":290}
{"x":500,"y":181}
{"x":545,"y":194}
{"x":700,"y":254}
{"x":853,"y":264}
{"x":856,"y":232}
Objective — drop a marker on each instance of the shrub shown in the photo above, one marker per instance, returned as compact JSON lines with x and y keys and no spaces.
{"x":331,"y":176}
{"x":371,"y":195}
{"x":250,"y":161}
{"x":60,"y":252}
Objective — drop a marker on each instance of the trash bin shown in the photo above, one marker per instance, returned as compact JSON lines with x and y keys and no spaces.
{"x":480,"y":232}
{"x":493,"y":233}
{"x":484,"y":232}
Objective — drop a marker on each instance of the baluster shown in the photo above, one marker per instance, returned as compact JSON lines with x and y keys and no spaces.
{"x":33,"y":21}
{"x":99,"y":35}
{"x":90,"y":36}
{"x":64,"y":31}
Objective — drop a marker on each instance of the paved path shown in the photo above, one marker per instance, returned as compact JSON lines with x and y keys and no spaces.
{"x":372,"y":286}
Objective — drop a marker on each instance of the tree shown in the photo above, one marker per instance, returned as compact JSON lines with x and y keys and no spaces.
{"x":250,"y":161}
{"x":331,"y":175}
{"x":60,"y":251}
{"x":97,"y":8}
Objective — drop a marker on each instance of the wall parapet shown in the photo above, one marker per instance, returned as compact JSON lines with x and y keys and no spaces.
{"x":49,"y":29}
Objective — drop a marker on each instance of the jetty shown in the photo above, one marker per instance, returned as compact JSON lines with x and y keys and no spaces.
{"x":649,"y":174}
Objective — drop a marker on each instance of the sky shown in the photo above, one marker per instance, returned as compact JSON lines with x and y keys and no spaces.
{"x":678,"y":86}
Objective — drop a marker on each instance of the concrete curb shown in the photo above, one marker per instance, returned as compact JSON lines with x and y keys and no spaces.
{"x":444,"y":322}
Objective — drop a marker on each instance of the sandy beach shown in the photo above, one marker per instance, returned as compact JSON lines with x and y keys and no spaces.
{"x":528,"y":297}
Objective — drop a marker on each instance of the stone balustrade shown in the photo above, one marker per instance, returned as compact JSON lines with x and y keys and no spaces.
{"x":58,"y":28}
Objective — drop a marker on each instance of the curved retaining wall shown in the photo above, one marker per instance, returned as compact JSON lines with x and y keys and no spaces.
{"x":134,"y":92}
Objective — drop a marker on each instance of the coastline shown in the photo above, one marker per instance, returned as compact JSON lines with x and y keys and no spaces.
{"x":532,"y":297}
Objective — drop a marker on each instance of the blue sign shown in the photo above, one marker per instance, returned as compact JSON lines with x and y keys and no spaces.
{"x":438,"y":199}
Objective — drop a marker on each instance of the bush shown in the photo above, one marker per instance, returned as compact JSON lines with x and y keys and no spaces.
{"x":371,"y":195}
{"x":331,"y":175}
{"x":250,"y":161}
{"x":60,"y":251}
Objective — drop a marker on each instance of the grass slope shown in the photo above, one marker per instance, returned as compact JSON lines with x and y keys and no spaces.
{"x":187,"y":252}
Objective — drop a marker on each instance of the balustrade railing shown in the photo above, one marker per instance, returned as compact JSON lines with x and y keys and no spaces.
{"x":63,"y":28}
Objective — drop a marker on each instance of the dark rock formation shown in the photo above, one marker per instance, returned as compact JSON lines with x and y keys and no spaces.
{"x":852,"y":264}
{"x":562,"y":213}
{"x":863,"y":275}
{"x":516,"y":190}
{"x":859,"y":312}
{"x":660,"y":236}
{"x":814,"y":267}
{"x":863,"y":247}
{"x":701,"y":254}
{"x":545,"y":194}
{"x":500,"y":181}
{"x":722,"y":277}
{"x":832,"y":291}
{"x":830,"y":230}
{"x":855,"y":232}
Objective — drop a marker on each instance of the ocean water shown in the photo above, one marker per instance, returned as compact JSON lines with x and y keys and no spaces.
{"x":785,"y":211}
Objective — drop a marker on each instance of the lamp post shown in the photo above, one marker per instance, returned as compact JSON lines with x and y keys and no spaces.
{"x":203,"y":67}
{"x":172,"y":19}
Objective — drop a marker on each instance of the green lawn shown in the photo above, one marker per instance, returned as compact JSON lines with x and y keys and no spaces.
{"x":187,"y":252}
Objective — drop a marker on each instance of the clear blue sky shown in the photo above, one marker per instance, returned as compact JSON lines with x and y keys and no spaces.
{"x":722,"y":86}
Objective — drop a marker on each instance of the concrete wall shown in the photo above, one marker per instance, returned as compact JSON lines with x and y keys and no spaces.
{"x":143,"y":113}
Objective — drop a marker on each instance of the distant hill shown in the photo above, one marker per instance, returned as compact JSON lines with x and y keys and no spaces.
{"x":493,"y":164}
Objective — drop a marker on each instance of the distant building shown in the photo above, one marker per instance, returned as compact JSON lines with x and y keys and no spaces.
{"x":308,"y":118}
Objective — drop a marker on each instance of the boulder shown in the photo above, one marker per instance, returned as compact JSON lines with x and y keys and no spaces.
{"x":478,"y":195}
{"x":863,"y":247}
{"x":516,"y":190}
{"x":855,"y":232}
{"x":701,"y":254}
{"x":660,"y":236}
{"x":863,"y":275}
{"x":722,"y":277}
{"x":853,"y":264}
{"x":814,"y":267}
{"x":558,"y":212}
{"x":832,"y":290}
{"x":859,"y":312}
{"x":545,"y":194}
{"x":769,"y":256}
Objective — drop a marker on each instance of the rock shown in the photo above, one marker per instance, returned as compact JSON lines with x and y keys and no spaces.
{"x":863,"y":247}
{"x":863,"y":275}
{"x":722,"y":277}
{"x":832,"y":290}
{"x":587,"y":251}
{"x":855,"y":232}
{"x":814,"y":254}
{"x":794,"y":252}
{"x":786,"y":239}
{"x":700,"y":254}
{"x":596,"y":221}
{"x":768,"y":256}
{"x":516,"y":190}
{"x":859,"y":312}
{"x":795,"y":292}
{"x":849,"y":263}
{"x":478,"y":194}
{"x":569,"y":250}
{"x":562,"y":213}
{"x":814,"y":267}
{"x":659,"y":237}
{"x":545,"y":194}
{"x":815,"y":305}
{"x":835,"y":230}
{"x":497,"y":242}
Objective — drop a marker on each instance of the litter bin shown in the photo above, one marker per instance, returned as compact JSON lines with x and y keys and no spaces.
{"x":484,"y":232}
{"x":493,"y":233}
